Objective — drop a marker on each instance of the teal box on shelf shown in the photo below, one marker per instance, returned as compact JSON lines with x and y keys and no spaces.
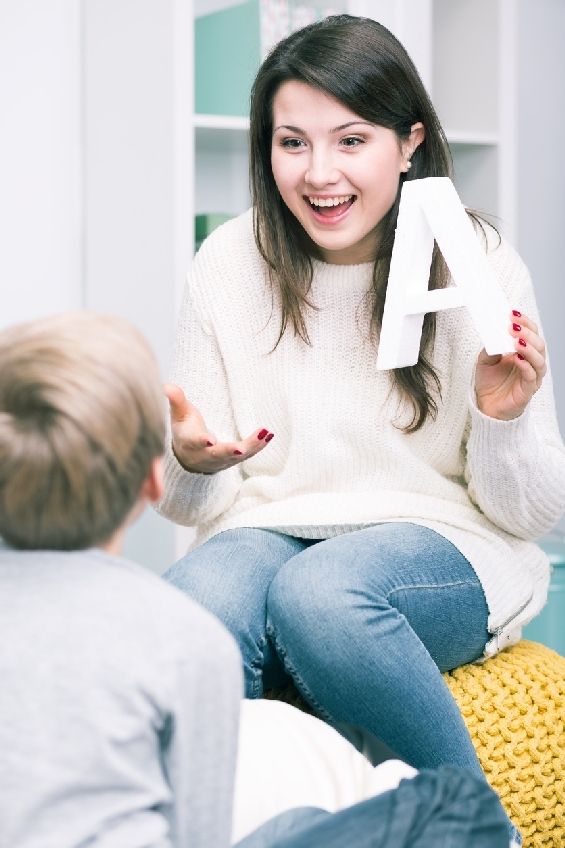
{"x":227,"y":55}
{"x":549,"y":626}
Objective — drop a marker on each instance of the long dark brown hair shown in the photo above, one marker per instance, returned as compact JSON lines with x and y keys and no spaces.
{"x":362,"y":65}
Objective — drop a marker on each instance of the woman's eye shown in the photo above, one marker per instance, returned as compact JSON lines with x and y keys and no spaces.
{"x":292,"y":143}
{"x":352,"y":141}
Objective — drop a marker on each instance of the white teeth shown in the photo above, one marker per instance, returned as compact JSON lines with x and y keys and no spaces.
{"x":330,"y":201}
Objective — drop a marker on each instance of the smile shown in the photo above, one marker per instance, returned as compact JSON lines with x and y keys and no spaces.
{"x":330,"y":208}
{"x":330,"y":201}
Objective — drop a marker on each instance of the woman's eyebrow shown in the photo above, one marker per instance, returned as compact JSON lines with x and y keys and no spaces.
{"x":352,"y":124}
{"x":334,"y":130}
{"x":292,"y":129}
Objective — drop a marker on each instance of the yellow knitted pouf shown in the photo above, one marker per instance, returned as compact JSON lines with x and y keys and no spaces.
{"x":514,"y":707}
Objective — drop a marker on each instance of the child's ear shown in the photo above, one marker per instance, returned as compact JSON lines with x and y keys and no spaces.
{"x":153,"y":486}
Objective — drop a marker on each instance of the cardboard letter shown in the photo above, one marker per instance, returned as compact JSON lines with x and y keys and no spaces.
{"x":430,"y":208}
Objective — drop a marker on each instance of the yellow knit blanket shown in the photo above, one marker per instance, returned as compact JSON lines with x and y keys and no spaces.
{"x":514,"y":707}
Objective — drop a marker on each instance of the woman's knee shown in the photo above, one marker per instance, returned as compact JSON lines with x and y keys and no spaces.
{"x":336,"y":573}
{"x":241,"y":557}
{"x":230,"y":576}
{"x":306,"y":594}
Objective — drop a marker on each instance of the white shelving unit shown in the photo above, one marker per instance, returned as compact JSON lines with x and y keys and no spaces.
{"x":474,"y":78}
{"x":220,"y":173}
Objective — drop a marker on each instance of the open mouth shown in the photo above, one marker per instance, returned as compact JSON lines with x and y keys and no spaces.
{"x":330,"y":208}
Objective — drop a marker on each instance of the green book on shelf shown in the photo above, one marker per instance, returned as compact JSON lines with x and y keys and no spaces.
{"x":227,"y":56}
{"x":205,"y":224}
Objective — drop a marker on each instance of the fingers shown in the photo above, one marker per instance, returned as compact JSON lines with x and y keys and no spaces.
{"x":180,"y":406}
{"x":530,"y":348}
{"x":519,"y":318}
{"x":218,"y":456}
{"x":235,"y":452}
{"x":189,"y":429}
{"x":198,"y":450}
{"x":254,"y":443}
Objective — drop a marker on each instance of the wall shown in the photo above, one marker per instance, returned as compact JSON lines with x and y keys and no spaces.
{"x":40,"y":158}
{"x":137,"y":79}
{"x":93,"y":162}
{"x":541,"y":176}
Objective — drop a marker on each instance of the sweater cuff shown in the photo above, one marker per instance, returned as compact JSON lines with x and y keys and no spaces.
{"x":198,"y":484}
{"x":186,"y":493}
{"x":492,"y":437}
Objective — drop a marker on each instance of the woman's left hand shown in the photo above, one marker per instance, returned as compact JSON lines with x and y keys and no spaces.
{"x":505,"y":384}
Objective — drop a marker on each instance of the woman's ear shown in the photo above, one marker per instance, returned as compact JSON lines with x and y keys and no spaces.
{"x":416,"y":137}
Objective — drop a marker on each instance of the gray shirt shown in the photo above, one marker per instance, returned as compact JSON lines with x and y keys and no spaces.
{"x":119,"y":707}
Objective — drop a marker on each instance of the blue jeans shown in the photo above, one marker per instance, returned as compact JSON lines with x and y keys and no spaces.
{"x":446,"y":807}
{"x":364,"y":623}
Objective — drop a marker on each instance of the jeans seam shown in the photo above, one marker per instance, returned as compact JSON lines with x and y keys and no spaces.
{"x":473,"y":583}
{"x":256,"y":667}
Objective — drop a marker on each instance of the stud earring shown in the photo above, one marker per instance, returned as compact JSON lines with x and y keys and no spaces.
{"x":408,"y":164}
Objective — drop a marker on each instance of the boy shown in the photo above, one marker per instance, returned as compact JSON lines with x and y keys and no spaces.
{"x":120,"y":697}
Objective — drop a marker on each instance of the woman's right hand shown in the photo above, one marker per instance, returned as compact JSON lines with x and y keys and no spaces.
{"x":196,"y":448}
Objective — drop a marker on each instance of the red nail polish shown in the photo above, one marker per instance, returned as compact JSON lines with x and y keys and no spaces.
{"x":269,"y":437}
{"x":519,"y":355}
{"x":522,"y":342}
{"x":237,"y":453}
{"x":262,"y":434}
{"x":516,"y":328}
{"x":516,"y":313}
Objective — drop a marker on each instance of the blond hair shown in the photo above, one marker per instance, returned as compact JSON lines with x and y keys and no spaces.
{"x":81,"y":419}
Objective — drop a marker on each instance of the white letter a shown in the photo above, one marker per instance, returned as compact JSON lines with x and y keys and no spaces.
{"x":430,"y":208}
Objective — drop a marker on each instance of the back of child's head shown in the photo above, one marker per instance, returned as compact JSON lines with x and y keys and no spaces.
{"x":81,"y":420}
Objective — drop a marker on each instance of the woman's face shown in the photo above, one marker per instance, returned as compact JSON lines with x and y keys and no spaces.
{"x":337,"y":173}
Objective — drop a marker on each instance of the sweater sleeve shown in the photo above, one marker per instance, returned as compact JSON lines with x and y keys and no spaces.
{"x":200,"y":758}
{"x":515,"y":470}
{"x":190,"y":498}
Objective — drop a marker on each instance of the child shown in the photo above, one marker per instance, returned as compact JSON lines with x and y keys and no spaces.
{"x":120,"y":696}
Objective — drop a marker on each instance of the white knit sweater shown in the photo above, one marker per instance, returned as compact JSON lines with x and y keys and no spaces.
{"x":337,"y":462}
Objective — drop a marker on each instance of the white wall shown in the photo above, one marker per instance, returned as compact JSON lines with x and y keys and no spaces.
{"x":541,"y":176}
{"x":93,"y":165}
{"x":40,"y":158}
{"x":128,"y":164}
{"x":137,"y":146}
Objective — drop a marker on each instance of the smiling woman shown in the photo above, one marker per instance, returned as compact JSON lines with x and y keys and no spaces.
{"x":337,"y":173}
{"x":359,"y":531}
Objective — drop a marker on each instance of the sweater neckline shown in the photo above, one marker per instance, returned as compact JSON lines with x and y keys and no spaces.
{"x":353,"y":278}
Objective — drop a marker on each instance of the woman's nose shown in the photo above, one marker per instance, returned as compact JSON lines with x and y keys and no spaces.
{"x":321,"y":170}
